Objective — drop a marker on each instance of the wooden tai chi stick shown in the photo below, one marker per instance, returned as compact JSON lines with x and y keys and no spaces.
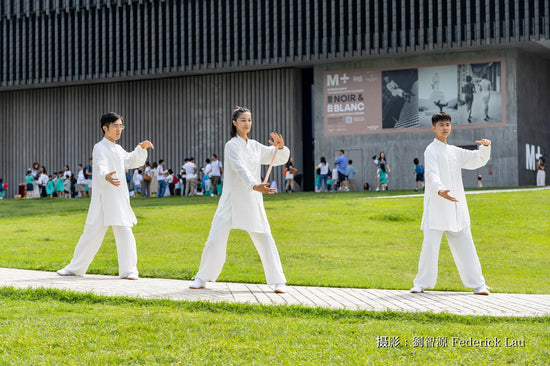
{"x":270,"y":166}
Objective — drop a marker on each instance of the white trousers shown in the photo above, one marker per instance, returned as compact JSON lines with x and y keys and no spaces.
{"x":90,"y":242}
{"x":541,"y":178}
{"x":464,"y":254}
{"x":213,"y":255}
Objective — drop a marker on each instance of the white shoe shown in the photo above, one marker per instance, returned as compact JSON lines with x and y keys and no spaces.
{"x":481,"y":290}
{"x":377,"y":189}
{"x":280,"y":288}
{"x":131,"y":276}
{"x":197,"y":284}
{"x":65,"y":272}
{"x":417,"y":290}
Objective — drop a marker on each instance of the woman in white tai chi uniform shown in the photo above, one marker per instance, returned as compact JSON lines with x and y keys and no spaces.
{"x":110,"y":203}
{"x":241,"y":204}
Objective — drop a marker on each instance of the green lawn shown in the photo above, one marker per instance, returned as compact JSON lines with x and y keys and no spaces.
{"x":339,"y":239}
{"x":47,"y":327}
{"x":345,"y":239}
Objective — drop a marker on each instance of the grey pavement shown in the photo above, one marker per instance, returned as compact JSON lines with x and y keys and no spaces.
{"x":460,"y":303}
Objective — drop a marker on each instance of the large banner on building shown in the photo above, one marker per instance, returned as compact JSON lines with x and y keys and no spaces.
{"x":364,"y":101}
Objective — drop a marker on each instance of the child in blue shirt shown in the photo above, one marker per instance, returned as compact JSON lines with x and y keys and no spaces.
{"x":419,"y":171}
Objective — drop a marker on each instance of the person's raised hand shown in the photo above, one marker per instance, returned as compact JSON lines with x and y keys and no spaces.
{"x":114,"y":181}
{"x":264,"y":188}
{"x":277,"y":140}
{"x":146,"y":144}
{"x":484,"y":142}
{"x":445,"y":194}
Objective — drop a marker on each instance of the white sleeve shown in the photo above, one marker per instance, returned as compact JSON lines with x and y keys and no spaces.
{"x":136,"y":158}
{"x":237,"y":164}
{"x":474,"y":159}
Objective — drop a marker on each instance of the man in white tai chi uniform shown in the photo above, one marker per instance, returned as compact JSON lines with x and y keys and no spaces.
{"x":445,"y":208}
{"x":110,"y":204}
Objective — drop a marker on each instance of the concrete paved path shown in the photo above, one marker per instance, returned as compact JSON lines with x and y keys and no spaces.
{"x":461,"y":303}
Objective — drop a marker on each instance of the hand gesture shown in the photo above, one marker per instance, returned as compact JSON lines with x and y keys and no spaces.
{"x":484,"y":142}
{"x":146,"y":144}
{"x":445,"y":194}
{"x":277,"y":140}
{"x":264,"y":188}
{"x":114,"y":181}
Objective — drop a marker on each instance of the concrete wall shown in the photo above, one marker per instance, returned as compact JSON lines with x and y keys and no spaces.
{"x":533,"y":104}
{"x":183,"y":117}
{"x":402,"y":147}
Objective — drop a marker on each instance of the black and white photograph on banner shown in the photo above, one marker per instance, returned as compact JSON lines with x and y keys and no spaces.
{"x":480,"y":98}
{"x":400,"y":98}
{"x":437,"y":92}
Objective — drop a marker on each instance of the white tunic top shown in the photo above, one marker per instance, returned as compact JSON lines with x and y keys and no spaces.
{"x":110,"y":203}
{"x":443,"y":164}
{"x":243,"y":161}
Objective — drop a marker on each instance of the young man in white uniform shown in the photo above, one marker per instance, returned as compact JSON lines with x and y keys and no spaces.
{"x":110,"y":204}
{"x":445,"y":208}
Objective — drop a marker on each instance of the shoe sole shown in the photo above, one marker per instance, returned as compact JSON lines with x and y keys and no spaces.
{"x":417,"y":292}
{"x":279,"y":291}
{"x":66,"y":275}
{"x":483,"y":293}
{"x":196,"y":288}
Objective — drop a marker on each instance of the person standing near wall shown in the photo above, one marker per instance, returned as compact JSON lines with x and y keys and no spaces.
{"x":419,"y":172}
{"x":88,"y":172}
{"x":191,"y":177}
{"x":161,"y":178}
{"x":350,"y":173}
{"x":110,"y":204}
{"x":323,"y":175}
{"x":146,"y":180}
{"x":541,"y":173}
{"x":241,"y":204}
{"x":216,"y":174}
{"x":379,"y":161}
{"x":342,"y":164}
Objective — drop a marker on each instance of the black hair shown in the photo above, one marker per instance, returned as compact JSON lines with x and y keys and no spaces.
{"x":78,"y":165}
{"x":468,"y":78}
{"x":161,"y":161}
{"x":237,"y":111}
{"x":350,"y":162}
{"x":214,"y":155}
{"x":323,"y":160}
{"x":191,"y":158}
{"x":154,"y":164}
{"x":342,"y":151}
{"x":207,"y":161}
{"x":440,"y":116}
{"x":109,"y":118}
{"x":383,"y":167}
{"x":416,"y":161}
{"x":147,"y":163}
{"x":139,"y":171}
{"x":170,"y":171}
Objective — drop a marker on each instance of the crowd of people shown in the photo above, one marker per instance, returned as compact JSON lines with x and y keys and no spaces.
{"x":154,"y":180}
{"x":150,"y":180}
{"x":342,"y":176}
{"x":62,"y":183}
